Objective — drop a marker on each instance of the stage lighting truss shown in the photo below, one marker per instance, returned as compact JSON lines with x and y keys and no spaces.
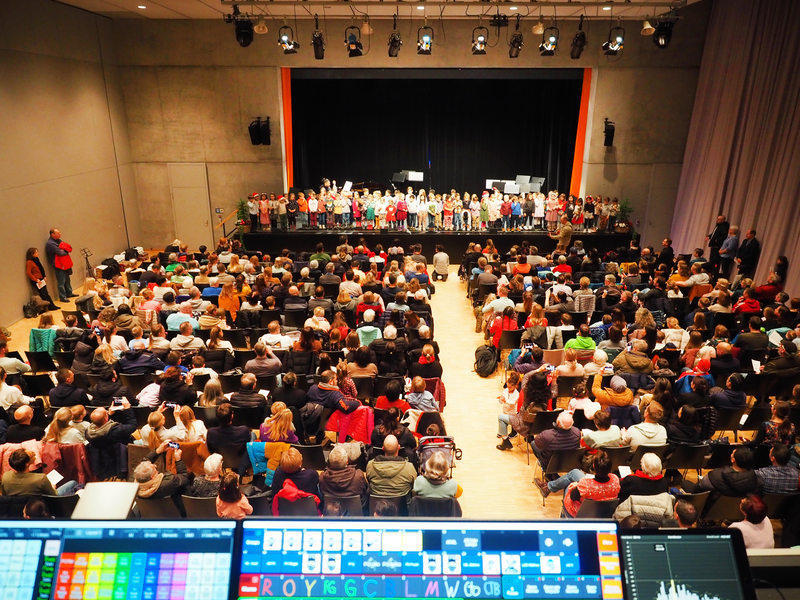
{"x":317,"y":40}
{"x":578,"y":42}
{"x":663,"y":33}
{"x":395,"y":40}
{"x":549,"y":43}
{"x":424,"y":40}
{"x":479,"y":37}
{"x":615,"y":43}
{"x":286,"y":40}
{"x":352,"y":39}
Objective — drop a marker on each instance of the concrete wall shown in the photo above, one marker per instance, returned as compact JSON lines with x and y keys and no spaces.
{"x":64,"y":155}
{"x":190,"y":92}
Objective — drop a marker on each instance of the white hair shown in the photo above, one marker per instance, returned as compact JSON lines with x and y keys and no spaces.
{"x":651,"y":464}
{"x":314,"y":264}
{"x":600,"y":357}
{"x":369,"y":315}
{"x":390,"y":332}
{"x":424,"y":332}
{"x":304,"y":272}
{"x":337,"y":459}
{"x":212,"y":465}
{"x":144,"y":471}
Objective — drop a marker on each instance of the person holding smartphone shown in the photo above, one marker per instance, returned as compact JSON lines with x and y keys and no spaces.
{"x":153,"y":484}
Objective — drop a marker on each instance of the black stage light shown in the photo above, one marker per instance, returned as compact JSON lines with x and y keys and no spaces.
{"x":286,"y":40}
{"x":352,"y":39}
{"x":578,"y":42}
{"x":663,"y":34}
{"x":479,"y":35}
{"x":395,"y":41}
{"x":317,"y":40}
{"x":244,"y":33}
{"x":549,"y":43}
{"x":516,"y":43}
{"x":615,"y":42}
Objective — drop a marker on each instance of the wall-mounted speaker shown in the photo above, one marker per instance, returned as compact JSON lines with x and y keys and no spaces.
{"x":608,"y":132}
{"x":259,"y":132}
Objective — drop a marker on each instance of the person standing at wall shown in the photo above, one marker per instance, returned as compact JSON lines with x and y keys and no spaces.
{"x":58,"y":256}
{"x":35,"y":272}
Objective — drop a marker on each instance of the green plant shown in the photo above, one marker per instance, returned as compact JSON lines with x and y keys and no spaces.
{"x":624,"y":212}
{"x":242,"y":212}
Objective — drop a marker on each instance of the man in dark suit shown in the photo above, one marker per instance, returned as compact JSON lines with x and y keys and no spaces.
{"x":748,"y":254}
{"x":715,"y":239}
{"x":667,"y":256}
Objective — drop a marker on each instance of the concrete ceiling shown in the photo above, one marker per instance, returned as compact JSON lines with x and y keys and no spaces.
{"x":529,"y":9}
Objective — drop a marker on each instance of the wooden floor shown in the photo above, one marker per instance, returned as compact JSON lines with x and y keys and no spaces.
{"x":496,"y":484}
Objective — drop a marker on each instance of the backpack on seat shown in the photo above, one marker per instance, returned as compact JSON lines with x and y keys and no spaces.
{"x":485,"y":360}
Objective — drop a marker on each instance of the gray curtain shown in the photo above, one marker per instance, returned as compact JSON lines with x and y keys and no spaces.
{"x":743,"y":153}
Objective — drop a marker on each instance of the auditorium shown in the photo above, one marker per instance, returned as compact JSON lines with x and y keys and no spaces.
{"x":446,"y":258}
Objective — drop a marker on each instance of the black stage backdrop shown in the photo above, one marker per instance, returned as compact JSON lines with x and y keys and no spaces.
{"x":459,"y":127}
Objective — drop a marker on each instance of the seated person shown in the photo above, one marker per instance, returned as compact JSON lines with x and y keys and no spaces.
{"x":736,"y":480}
{"x":434,"y":482}
{"x":603,"y":486}
{"x":248,"y":396}
{"x":153,"y":484}
{"x":108,"y":388}
{"x":140,"y":362}
{"x":265,"y":363}
{"x":732,"y":397}
{"x":227,"y":435}
{"x":275,"y":338}
{"x":635,"y":360}
{"x":606,"y":434}
{"x":617,"y":394}
{"x":391,"y":426}
{"x":392,"y":398}
{"x":341,"y":480}
{"x":427,"y":366}
{"x":66,"y":393}
{"x":207,"y":485}
{"x":278,"y":427}
{"x":583,"y":402}
{"x":199,"y":368}
{"x":390,"y":474}
{"x":649,"y":432}
{"x":780,"y":477}
{"x":756,"y":527}
{"x":562,"y":436}
{"x":328,"y":394}
{"x":291,"y":469}
{"x":20,"y":481}
{"x":420,"y":398}
{"x":646,"y":481}
{"x":22,"y":430}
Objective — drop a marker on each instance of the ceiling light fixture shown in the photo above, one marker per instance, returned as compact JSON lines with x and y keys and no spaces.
{"x":647,"y":29}
{"x":516,"y":43}
{"x":317,"y":40}
{"x":286,"y":40}
{"x":366,"y":29}
{"x":395,"y":40}
{"x":142,"y":6}
{"x":578,"y":42}
{"x":615,"y":42}
{"x":261,"y":27}
{"x":352,"y":39}
{"x":663,"y":33}
{"x":549,"y":43}
{"x":424,"y":39}
{"x":479,"y":35}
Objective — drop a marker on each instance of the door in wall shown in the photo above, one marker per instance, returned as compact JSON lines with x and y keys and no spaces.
{"x":191,"y":206}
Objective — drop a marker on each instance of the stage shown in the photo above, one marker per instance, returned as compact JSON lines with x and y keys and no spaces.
{"x":454,"y":242}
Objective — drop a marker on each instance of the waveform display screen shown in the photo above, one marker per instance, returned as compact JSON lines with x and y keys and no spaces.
{"x":662,"y":565}
{"x":125,"y":560}
{"x":283,"y":558}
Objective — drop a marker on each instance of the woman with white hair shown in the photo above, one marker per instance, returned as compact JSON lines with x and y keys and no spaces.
{"x":599,"y":364}
{"x":434,"y":481}
{"x":207,"y":486}
{"x":648,"y":480}
{"x":341,"y":480}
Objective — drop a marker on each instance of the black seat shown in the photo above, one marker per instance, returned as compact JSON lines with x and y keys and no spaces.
{"x":302,"y":507}
{"x":78,"y":315}
{"x":38,"y":384}
{"x":64,"y":359}
{"x":200,"y":508}
{"x":295,"y":318}
{"x":61,"y":507}
{"x":241,"y":357}
{"x":135,"y":383}
{"x":206,"y":414}
{"x":597,"y":509}
{"x":199,"y":382}
{"x":230,"y":383}
{"x":236,"y":337}
{"x":40,"y":362}
{"x":232,"y":455}
{"x":351,"y":504}
{"x":267,"y":382}
{"x":158,"y":508}
{"x":313,"y":456}
{"x":566,"y":386}
{"x":364,"y":387}
{"x":250,"y":416}
{"x":636,"y":459}
{"x":687,"y":456}
{"x":399,"y":502}
{"x":434,"y":507}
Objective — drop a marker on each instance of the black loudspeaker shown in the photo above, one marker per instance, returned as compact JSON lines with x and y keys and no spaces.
{"x":493,"y":230}
{"x":265,"y":134}
{"x":255,"y":132}
{"x":384,"y":230}
{"x":608,"y":132}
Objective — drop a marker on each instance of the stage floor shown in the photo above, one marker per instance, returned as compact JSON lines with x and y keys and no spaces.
{"x":454,"y":242}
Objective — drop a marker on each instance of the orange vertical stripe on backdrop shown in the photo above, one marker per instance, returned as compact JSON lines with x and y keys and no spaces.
{"x":580,"y":137}
{"x":286,"y":89}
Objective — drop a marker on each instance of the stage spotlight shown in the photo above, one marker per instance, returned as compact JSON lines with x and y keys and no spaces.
{"x":244,"y":33}
{"x":538,"y":29}
{"x":366,"y":28}
{"x":549,"y":43}
{"x":395,"y":40}
{"x":317,"y":40}
{"x":663,"y":34}
{"x":515,"y":45}
{"x":615,"y":42}
{"x":424,"y":40}
{"x":647,"y":29}
{"x":578,"y":42}
{"x":286,"y":40}
{"x":352,"y":39}
{"x":479,"y":35}
{"x":261,"y":27}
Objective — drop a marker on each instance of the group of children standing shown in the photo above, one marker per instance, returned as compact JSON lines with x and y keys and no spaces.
{"x":334,"y":209}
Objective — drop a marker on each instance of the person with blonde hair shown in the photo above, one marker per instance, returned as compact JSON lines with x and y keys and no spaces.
{"x":571,"y":366}
{"x":212,"y":394}
{"x":278,"y":427}
{"x":434,"y":482}
{"x":154,"y":433}
{"x":229,"y":301}
{"x":186,"y":421}
{"x":62,"y":429}
{"x":317,"y":321}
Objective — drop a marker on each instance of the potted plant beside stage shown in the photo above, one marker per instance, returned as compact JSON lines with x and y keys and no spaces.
{"x":623,"y":224}
{"x":242,"y":217}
